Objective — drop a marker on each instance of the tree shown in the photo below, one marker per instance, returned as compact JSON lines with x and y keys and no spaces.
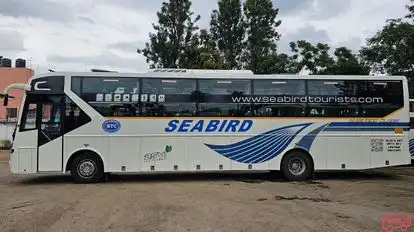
{"x":278,"y":63}
{"x":317,"y":60}
{"x":391,"y":50}
{"x":202,"y":53}
{"x":174,"y":36}
{"x":410,"y":9}
{"x":227,"y":30}
{"x":347,"y":63}
{"x":262,"y":36}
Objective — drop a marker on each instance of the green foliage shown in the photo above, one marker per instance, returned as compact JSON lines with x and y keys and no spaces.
{"x":202,"y":53}
{"x":391,"y":50}
{"x":227,"y":30}
{"x":245,"y":36}
{"x":318,"y":60}
{"x":410,"y":9}
{"x":347,"y":63}
{"x":174,"y":36}
{"x":261,"y":25}
{"x":315,"y":58}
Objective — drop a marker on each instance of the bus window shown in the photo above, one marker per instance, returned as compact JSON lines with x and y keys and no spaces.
{"x":74,"y":116}
{"x":168,"y":97}
{"x":332,"y":98}
{"x":222,"y":98}
{"x":380,"y":98}
{"x":279,"y":98}
{"x":29,"y":117}
{"x":108,"y":95}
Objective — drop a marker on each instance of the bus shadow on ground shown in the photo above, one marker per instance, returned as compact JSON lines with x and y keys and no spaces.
{"x":249,"y":177}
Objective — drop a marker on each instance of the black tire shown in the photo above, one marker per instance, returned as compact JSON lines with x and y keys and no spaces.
{"x":87,"y":168}
{"x":297,"y":166}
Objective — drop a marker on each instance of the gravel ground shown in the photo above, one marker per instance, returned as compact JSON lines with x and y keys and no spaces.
{"x":204,"y":202}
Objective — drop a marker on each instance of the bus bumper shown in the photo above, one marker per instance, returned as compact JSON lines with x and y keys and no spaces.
{"x":22,"y":161}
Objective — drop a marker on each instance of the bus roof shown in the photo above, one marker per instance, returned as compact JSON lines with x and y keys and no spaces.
{"x":223,"y":74}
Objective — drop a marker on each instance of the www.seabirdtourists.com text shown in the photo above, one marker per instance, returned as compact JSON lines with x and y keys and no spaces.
{"x":308,"y":99}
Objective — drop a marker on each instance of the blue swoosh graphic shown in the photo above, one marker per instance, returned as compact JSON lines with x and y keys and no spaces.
{"x":411,"y":146}
{"x":307,"y":140}
{"x":262,"y":147}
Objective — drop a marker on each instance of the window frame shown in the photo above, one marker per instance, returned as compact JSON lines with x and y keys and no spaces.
{"x":140,"y":105}
{"x":30,"y":99}
{"x":297,"y":106}
{"x":142,"y":80}
{"x":337,"y":106}
{"x":23,"y":121}
{"x":229,"y":103}
{"x":165,"y":105}
{"x":384,"y":105}
{"x":67,"y":106}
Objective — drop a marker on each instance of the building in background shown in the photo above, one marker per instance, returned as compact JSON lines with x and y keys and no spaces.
{"x":8,"y":75}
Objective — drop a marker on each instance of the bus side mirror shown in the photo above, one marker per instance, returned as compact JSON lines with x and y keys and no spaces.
{"x":6,"y":100}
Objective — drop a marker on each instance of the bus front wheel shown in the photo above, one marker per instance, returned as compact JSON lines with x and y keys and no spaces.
{"x":87,"y":168}
{"x":297,"y":166}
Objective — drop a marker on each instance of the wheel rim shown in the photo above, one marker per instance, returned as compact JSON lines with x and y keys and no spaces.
{"x":297,"y":166}
{"x":86,"y":168}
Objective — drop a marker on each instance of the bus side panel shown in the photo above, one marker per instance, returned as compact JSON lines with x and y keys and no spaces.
{"x":50,"y":156}
{"x":74,"y":143}
{"x":24,"y":158}
{"x":346,"y":149}
{"x":206,"y":158}
{"x":124,"y":155}
{"x":318,"y":153}
{"x":164,"y":153}
{"x":388,"y":148}
{"x":235,"y":165}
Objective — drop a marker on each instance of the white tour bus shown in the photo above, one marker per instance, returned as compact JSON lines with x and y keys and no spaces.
{"x":187,"y":120}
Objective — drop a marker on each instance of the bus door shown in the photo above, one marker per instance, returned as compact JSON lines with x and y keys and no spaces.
{"x":40,"y":133}
{"x":51,"y":112}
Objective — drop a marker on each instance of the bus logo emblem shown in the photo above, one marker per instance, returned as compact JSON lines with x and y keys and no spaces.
{"x":168,"y":148}
{"x":111,"y":126}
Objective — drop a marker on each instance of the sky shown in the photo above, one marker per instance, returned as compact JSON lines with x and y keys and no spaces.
{"x":78,"y":35}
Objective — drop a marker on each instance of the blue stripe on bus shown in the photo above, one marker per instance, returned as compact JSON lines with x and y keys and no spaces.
{"x":363,"y":129}
{"x":262,"y":147}
{"x":307,"y":140}
{"x":411,"y":147}
{"x":268,"y":145}
{"x":373,"y":124}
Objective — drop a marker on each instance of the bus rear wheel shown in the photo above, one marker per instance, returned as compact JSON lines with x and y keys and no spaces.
{"x":87,"y":168}
{"x":297,"y":166}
